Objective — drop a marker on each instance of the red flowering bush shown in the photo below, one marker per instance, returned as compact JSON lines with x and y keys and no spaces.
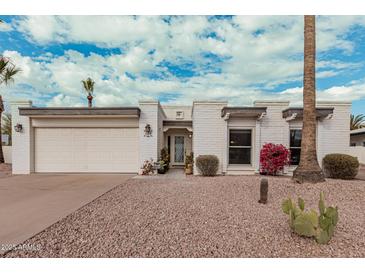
{"x":273,"y":158}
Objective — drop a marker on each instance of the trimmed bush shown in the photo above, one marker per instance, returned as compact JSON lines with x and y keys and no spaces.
{"x":207,"y":164}
{"x":340,"y":166}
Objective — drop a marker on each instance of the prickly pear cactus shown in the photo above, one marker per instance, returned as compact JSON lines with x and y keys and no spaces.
{"x":309,"y":223}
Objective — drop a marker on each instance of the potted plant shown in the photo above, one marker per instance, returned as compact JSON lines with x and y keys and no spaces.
{"x":189,"y":161}
{"x":162,"y":167}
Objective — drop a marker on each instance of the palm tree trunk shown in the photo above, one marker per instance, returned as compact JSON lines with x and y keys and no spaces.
{"x":308,"y":169}
{"x":90,"y":101}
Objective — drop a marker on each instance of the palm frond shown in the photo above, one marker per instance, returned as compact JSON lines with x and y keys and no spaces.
{"x":6,"y":123}
{"x":357,"y":121}
{"x":9,"y":74}
{"x":3,"y":64}
{"x":88,"y":85}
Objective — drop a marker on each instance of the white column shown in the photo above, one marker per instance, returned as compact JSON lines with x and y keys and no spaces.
{"x":148,"y":146}
{"x":22,"y":156}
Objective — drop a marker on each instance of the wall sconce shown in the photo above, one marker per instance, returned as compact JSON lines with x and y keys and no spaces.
{"x":147,"y":130}
{"x":18,"y":127}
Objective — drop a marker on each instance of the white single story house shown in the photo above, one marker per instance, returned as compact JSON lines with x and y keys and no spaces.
{"x":357,"y":137}
{"x":119,"y":139}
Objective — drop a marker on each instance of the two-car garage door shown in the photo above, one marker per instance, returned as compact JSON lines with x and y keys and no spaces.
{"x":86,"y":149}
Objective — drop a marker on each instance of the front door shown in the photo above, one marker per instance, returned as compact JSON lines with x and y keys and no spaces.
{"x":179,"y":150}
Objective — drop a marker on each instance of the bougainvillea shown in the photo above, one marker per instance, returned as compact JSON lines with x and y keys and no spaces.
{"x":273,"y":158}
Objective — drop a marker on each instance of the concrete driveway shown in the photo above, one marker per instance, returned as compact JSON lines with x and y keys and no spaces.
{"x":31,"y":203}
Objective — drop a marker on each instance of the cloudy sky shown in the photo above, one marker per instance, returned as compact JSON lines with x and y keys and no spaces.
{"x":178,"y":59}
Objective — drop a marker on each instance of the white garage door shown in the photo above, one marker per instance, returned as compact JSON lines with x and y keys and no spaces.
{"x":86,"y":150}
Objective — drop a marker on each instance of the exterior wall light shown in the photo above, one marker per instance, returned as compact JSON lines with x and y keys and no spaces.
{"x":147,"y":130}
{"x":18,"y":127}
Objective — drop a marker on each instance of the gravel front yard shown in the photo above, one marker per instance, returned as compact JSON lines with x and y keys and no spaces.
{"x":203,"y":217}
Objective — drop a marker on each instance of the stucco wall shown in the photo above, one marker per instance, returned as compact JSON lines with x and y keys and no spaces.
{"x":170,"y":112}
{"x":209,"y":131}
{"x":22,"y":146}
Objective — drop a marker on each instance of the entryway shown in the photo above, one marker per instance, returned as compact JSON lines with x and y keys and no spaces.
{"x":179,"y":144}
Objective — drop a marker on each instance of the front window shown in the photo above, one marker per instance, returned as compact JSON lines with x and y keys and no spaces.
{"x":295,"y":143}
{"x":240,"y":145}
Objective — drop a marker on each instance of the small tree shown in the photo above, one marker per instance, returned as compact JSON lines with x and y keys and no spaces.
{"x":273,"y":158}
{"x":7,"y":72}
{"x":88,"y":85}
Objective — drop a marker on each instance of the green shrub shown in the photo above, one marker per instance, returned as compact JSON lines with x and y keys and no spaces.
{"x":164,"y":161}
{"x":207,"y":164}
{"x":340,"y":166}
{"x":309,"y":223}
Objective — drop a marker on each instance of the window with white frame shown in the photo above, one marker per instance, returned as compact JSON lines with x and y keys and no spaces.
{"x":240,"y":146}
{"x":295,"y":145}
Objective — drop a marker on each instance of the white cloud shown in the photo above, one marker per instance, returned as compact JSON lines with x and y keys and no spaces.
{"x":260,"y":51}
{"x":5,"y":27}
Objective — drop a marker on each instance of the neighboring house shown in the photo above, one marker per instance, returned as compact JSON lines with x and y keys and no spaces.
{"x":357,"y":137}
{"x":119,"y":139}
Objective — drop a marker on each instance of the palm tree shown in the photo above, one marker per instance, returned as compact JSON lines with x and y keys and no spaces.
{"x":7,"y":72}
{"x":89,"y":88}
{"x":308,"y":169}
{"x":6,"y":126}
{"x":357,"y":121}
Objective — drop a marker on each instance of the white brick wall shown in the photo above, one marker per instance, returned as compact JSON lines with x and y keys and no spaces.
{"x":274,"y":129}
{"x":334,"y":134}
{"x":22,"y":151}
{"x":209,"y":131}
{"x":148,"y":146}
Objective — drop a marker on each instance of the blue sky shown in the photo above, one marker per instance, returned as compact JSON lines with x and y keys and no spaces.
{"x":178,"y":59}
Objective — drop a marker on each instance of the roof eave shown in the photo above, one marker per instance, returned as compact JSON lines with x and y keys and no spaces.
{"x":63,"y":112}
